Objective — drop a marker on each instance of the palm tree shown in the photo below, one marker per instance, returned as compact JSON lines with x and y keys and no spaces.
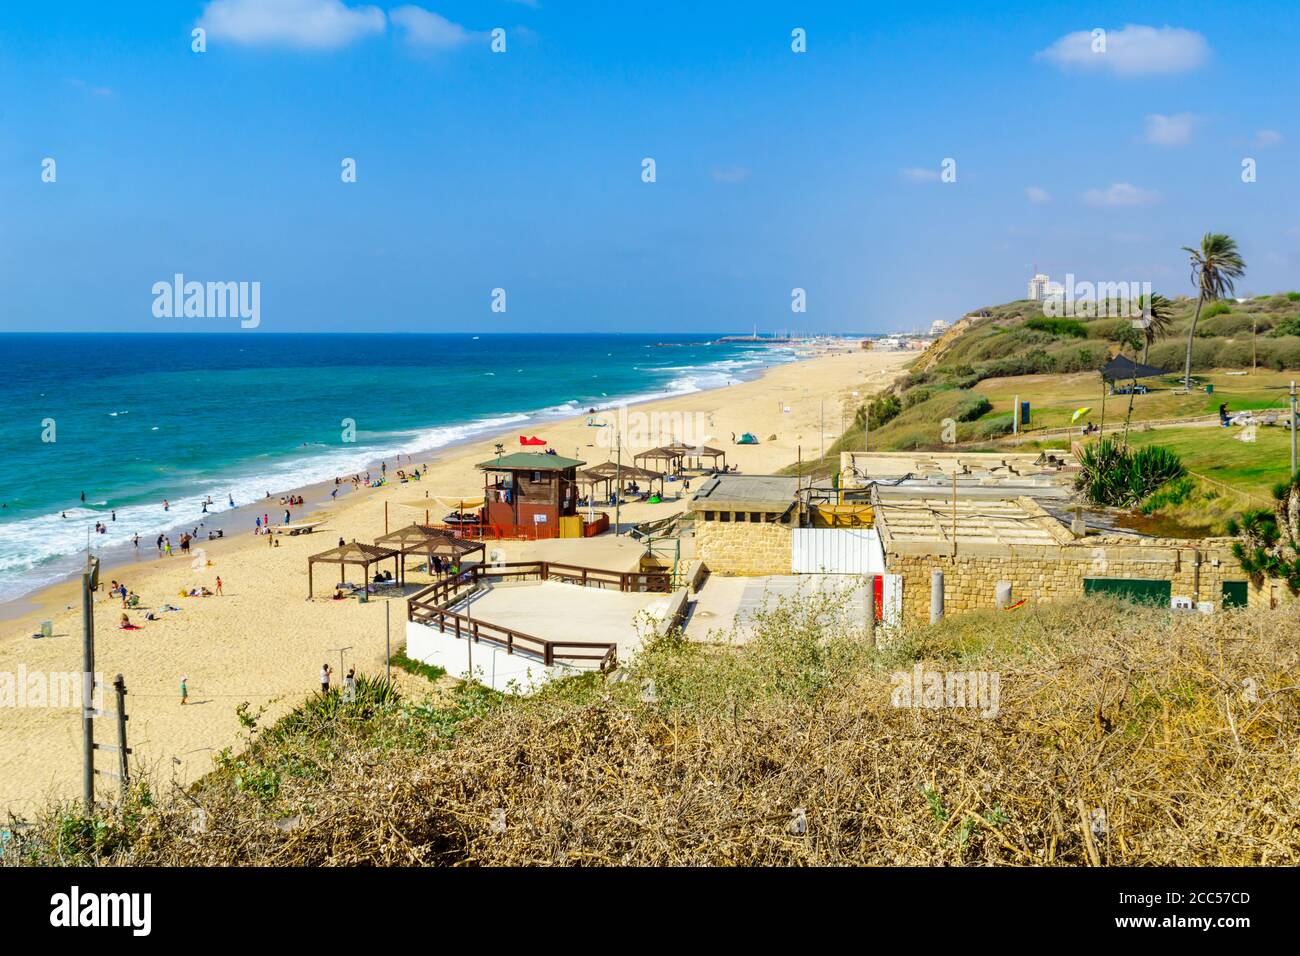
{"x":1156,"y":320}
{"x":1216,"y":265}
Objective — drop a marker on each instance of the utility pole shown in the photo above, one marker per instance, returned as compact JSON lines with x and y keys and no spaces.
{"x":821,"y":431}
{"x":1015,"y":416}
{"x":618,"y":494}
{"x":954,"y":514}
{"x":89,"y":581}
{"x":1293,"y":429}
{"x":1254,"y":357}
{"x":388,"y":641}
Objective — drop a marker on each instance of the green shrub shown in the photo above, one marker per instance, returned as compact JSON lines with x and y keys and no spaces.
{"x":1116,"y":476}
{"x":1215,"y":308}
{"x":1054,"y":326}
{"x":1288,"y":326}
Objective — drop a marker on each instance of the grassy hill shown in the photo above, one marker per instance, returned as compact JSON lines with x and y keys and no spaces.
{"x":961,"y":393}
{"x":1120,"y":736}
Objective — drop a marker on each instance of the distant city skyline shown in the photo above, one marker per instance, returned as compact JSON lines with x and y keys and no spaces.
{"x":378,"y":167}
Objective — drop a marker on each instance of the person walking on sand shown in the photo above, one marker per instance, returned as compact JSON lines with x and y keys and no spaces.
{"x":185,"y":692}
{"x":218,"y":585}
{"x":350,"y":685}
{"x":325,"y":671}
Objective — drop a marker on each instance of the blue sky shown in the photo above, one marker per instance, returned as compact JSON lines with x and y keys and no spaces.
{"x":522,"y":170}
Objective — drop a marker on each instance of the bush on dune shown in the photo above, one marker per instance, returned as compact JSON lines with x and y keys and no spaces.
{"x":1120,"y":736}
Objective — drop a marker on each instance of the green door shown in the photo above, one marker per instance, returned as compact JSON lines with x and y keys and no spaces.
{"x":1235,"y":593}
{"x":1131,"y":589}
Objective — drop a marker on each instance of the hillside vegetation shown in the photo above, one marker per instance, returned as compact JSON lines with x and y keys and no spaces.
{"x":961,"y":394}
{"x":1122,"y":736}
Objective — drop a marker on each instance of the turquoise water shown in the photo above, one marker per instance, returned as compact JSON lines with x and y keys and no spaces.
{"x":137,"y":419}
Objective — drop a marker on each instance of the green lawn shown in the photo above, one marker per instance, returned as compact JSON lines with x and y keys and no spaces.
{"x":1053,"y":398}
{"x":1253,"y":467}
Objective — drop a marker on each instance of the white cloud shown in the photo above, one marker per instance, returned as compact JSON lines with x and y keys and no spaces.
{"x":1037,"y":195}
{"x":1120,"y":194}
{"x":1170,"y":130}
{"x":1268,"y":137}
{"x":309,"y":24}
{"x":95,"y":90}
{"x":1131,"y":51}
{"x":919,"y":174}
{"x":733,"y":175}
{"x":424,"y":28}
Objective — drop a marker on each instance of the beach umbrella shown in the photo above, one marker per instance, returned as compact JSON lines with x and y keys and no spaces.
{"x":1079,"y":413}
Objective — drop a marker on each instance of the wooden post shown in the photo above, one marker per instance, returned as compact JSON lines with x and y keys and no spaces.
{"x":119,"y":685}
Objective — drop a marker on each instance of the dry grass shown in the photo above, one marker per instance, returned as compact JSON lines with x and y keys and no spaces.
{"x":1124,"y":737}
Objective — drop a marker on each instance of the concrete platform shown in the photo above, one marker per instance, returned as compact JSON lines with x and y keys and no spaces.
{"x":725,"y":602}
{"x":555,"y":611}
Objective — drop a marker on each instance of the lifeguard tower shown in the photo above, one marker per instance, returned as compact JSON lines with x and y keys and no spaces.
{"x":529,"y":493}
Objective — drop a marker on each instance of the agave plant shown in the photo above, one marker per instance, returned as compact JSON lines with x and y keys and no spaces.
{"x":1268,"y":542}
{"x":1114,"y":476}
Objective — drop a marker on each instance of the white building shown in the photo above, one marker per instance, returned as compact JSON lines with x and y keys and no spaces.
{"x":1041,"y":287}
{"x":939,"y":326}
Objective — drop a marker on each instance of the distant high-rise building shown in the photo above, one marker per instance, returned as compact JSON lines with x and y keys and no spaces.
{"x":939,"y":326}
{"x":1038,"y":287}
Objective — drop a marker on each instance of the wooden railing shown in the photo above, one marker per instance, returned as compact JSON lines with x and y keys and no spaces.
{"x":431,"y":606}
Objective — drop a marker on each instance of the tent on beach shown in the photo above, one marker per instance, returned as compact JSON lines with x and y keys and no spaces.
{"x":1121,"y":368}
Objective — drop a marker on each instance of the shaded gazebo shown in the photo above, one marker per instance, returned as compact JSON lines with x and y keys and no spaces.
{"x":608,"y":473}
{"x":361,"y":555}
{"x":421,"y":539}
{"x":678,"y":456}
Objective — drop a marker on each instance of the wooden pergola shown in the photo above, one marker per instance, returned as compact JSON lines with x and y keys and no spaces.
{"x":608,"y":472}
{"x":362,"y":555}
{"x":422,"y":539}
{"x":681,"y":456}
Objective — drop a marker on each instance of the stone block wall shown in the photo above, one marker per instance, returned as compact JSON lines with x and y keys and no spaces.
{"x":743,"y":547}
{"x":1049,"y":574}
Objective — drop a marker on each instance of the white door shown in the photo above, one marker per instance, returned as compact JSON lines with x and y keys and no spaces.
{"x":836,"y":551}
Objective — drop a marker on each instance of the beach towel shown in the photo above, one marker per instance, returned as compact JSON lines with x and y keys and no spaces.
{"x":128,"y":627}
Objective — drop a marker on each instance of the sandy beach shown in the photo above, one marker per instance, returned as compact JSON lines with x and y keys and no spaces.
{"x":263,"y":642}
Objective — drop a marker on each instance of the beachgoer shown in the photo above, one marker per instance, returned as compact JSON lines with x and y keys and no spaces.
{"x":232,"y":500}
{"x":114,"y":514}
{"x":350,"y":685}
{"x":1223,"y":414}
{"x":167,"y":547}
{"x":159,"y":545}
{"x":218,"y":585}
{"x":325,"y":671}
{"x":166,"y":505}
{"x":287,"y":517}
{"x":83,"y":497}
{"x":135,"y":540}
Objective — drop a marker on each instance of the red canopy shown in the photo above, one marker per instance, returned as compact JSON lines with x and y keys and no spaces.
{"x":531,"y":441}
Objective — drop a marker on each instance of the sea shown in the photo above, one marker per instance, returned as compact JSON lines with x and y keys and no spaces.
{"x":133,"y":420}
